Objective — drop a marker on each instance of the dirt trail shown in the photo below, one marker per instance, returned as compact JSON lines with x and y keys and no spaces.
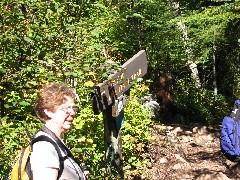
{"x":186,"y":152}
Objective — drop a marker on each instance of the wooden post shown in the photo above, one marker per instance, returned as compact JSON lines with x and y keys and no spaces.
{"x":1,"y":104}
{"x":113,"y":144}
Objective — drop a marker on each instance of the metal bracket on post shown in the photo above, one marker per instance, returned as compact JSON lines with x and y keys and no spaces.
{"x":118,"y":110}
{"x":119,"y":105}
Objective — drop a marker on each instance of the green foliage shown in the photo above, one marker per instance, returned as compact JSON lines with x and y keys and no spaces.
{"x":136,"y":134}
{"x":199,"y":105}
{"x":50,"y":41}
{"x":13,"y":138}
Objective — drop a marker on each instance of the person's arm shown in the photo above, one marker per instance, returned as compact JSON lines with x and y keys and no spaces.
{"x":45,"y":173}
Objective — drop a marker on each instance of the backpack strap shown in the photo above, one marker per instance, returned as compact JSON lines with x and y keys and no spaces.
{"x":58,"y":141}
{"x":61,"y":158}
{"x":63,"y":147}
{"x":26,"y":149}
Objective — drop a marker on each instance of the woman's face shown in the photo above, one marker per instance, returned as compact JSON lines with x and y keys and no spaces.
{"x":64,"y":114}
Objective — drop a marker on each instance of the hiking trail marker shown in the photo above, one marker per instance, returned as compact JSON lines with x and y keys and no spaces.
{"x":110,"y":97}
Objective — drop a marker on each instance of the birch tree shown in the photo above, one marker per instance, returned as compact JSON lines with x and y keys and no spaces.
{"x":185,"y":39}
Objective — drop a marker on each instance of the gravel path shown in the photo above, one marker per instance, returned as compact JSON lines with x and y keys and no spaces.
{"x":186,"y":152}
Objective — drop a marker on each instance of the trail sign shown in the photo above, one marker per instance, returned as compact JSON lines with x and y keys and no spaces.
{"x":110,"y":98}
{"x":120,"y":82}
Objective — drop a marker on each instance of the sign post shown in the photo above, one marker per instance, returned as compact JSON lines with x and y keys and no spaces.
{"x":110,"y":97}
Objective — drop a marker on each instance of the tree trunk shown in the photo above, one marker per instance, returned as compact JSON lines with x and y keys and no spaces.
{"x":113,"y":145}
{"x":191,"y":64}
{"x":214,"y":70}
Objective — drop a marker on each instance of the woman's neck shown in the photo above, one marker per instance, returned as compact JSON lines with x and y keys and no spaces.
{"x":51,"y":125}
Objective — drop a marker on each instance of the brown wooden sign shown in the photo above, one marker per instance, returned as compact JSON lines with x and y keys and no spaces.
{"x":120,"y":82}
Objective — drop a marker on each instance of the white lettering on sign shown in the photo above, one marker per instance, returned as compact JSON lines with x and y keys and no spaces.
{"x":118,"y":79}
{"x":119,"y":84}
{"x":136,"y":74}
{"x":103,"y":91}
{"x":122,"y":76}
{"x":122,"y":86}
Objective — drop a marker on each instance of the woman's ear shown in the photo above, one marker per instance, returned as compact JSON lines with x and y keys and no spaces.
{"x":48,"y":113}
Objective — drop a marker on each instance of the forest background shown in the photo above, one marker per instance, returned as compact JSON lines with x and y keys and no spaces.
{"x":193,"y":67}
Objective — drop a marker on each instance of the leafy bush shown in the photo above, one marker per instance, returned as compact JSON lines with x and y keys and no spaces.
{"x":13,"y":137}
{"x":135,"y":135}
{"x":199,"y":105}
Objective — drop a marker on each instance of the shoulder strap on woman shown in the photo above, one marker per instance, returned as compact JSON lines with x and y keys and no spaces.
{"x":62,"y":146}
{"x":58,"y":141}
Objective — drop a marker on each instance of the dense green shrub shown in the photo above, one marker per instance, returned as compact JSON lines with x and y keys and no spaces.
{"x":13,"y":137}
{"x":199,"y":105}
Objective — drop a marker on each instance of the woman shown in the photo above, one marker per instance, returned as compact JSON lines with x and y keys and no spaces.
{"x":56,"y":109}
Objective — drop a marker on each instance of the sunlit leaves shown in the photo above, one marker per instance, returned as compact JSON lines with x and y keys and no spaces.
{"x":89,"y":84}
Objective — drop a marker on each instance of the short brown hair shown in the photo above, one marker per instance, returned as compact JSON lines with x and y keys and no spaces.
{"x":50,"y":97}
